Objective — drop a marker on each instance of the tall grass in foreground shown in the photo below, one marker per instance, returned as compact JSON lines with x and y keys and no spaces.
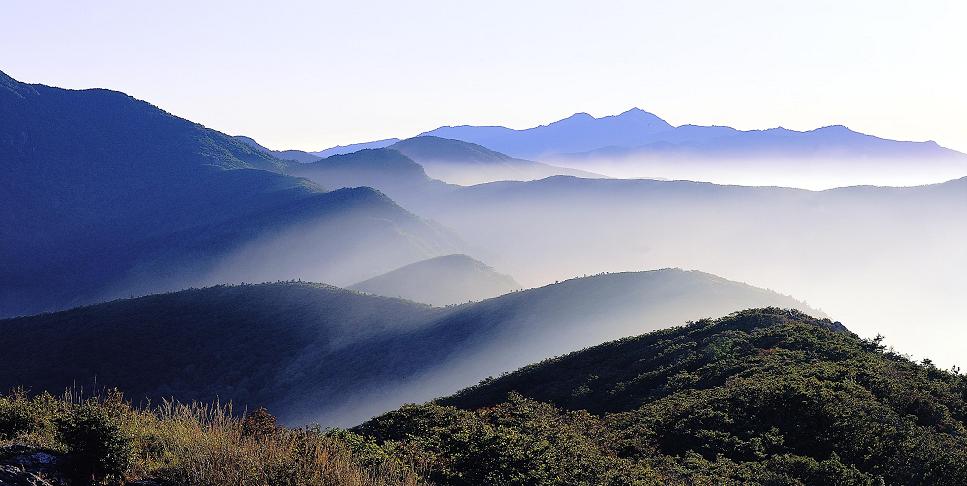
{"x":108,"y":440}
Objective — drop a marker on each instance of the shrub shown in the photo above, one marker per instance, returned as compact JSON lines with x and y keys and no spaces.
{"x":16,"y":417}
{"x":259,"y":424}
{"x":97,"y":444}
{"x":30,"y":419}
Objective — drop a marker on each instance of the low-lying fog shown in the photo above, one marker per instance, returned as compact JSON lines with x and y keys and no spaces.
{"x":881,"y":260}
{"x":806,"y":173}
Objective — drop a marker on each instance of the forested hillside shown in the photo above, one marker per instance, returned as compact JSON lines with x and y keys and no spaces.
{"x":764,"y":396}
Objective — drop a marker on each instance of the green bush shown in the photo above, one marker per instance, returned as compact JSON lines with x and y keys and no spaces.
{"x":97,"y":444}
{"x":16,"y":417}
{"x":30,"y":419}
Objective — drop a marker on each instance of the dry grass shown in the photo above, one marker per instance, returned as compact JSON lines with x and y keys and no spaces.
{"x":204,"y":445}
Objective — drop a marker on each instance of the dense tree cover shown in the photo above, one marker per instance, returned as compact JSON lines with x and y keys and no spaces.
{"x":762,"y":396}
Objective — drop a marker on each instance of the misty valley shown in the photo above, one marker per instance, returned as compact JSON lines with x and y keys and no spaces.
{"x":597,"y":300}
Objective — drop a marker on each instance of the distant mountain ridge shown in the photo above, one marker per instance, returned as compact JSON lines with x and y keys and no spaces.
{"x":579,"y":132}
{"x":291,"y":155}
{"x":415,"y":161}
{"x":636,"y":128}
{"x":353,"y":147}
{"x":443,"y":280}
{"x":459,"y":162}
{"x":639,"y":144}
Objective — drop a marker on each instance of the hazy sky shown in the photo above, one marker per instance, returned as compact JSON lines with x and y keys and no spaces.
{"x":313,"y":74}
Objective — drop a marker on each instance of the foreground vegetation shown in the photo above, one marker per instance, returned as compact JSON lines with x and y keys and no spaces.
{"x":763,"y":396}
{"x":105,"y":440}
{"x":760,"y":397}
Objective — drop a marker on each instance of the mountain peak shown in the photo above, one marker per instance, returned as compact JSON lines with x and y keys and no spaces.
{"x":443,"y":280}
{"x":635,"y":111}
{"x":637,"y":115}
{"x":427,"y":148}
{"x":834,"y":128}
{"x":579,"y":116}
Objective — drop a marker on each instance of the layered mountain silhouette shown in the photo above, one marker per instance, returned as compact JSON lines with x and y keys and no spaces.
{"x":104,"y":195}
{"x":353,"y":147}
{"x":580,"y":132}
{"x":786,"y":238}
{"x":463,"y":163}
{"x":452,"y":161}
{"x":317,"y":353}
{"x":385,"y":169}
{"x":440,"y":281}
{"x":795,"y":240}
{"x":290,"y":155}
{"x":639,"y":144}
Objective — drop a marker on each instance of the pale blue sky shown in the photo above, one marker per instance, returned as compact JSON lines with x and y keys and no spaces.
{"x":313,"y":74}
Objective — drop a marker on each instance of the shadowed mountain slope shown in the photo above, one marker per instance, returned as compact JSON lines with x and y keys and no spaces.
{"x":440,"y":281}
{"x":317,"y":353}
{"x":385,"y":169}
{"x":104,"y":195}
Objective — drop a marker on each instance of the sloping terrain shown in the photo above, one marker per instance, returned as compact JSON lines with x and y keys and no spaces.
{"x":314,"y":353}
{"x":355,"y":147}
{"x":459,"y":162}
{"x":762,"y":396}
{"x":827,"y":247}
{"x":249,"y":343}
{"x":290,"y":155}
{"x":385,"y":169}
{"x":104,"y":195}
{"x":440,"y":281}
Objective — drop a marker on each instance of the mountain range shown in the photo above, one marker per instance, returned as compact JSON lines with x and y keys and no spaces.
{"x":104,"y":195}
{"x":353,"y":147}
{"x":450,"y":161}
{"x":640,"y":144}
{"x":783,"y":238}
{"x":579,"y":132}
{"x":459,"y":162}
{"x":289,"y":155}
{"x":316,"y":353}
